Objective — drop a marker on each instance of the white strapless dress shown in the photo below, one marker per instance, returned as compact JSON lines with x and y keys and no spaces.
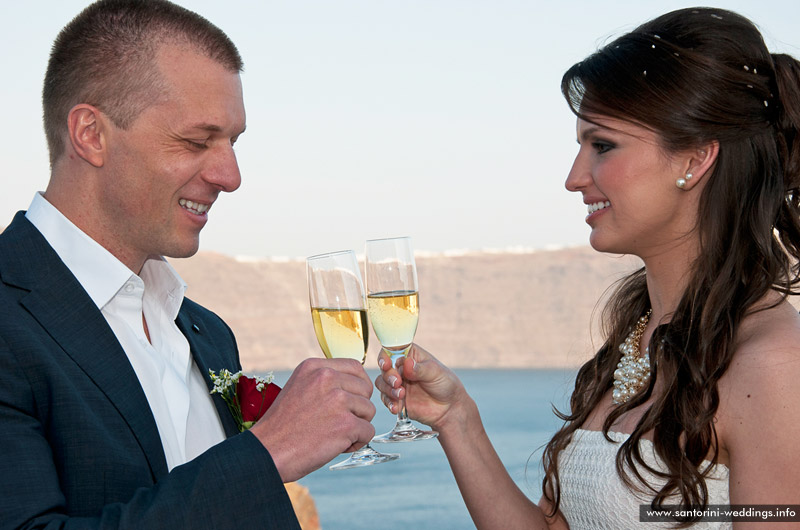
{"x":594,"y":497}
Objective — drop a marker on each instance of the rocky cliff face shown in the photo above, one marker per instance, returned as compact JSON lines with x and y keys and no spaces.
{"x":304,"y":506}
{"x":476,"y":310}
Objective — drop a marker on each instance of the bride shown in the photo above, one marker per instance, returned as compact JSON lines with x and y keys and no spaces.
{"x":689,"y":158}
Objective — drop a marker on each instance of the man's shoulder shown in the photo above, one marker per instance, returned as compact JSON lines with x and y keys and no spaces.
{"x":17,"y":228}
{"x":24,"y":252}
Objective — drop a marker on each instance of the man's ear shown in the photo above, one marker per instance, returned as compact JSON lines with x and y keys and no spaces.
{"x":700,"y":163}
{"x":87,"y":133}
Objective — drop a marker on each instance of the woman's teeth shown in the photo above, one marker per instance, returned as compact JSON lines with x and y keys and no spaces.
{"x":194,"y":207}
{"x":598,"y":206}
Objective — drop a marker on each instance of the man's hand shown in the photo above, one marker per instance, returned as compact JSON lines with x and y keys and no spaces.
{"x":323,"y":410}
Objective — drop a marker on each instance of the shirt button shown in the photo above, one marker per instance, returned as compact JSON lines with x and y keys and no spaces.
{"x":129,"y":288}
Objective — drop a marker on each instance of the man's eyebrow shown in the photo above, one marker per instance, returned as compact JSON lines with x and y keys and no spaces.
{"x":206,"y":127}
{"x":210,"y":127}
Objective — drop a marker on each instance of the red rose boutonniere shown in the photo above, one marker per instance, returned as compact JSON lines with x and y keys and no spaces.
{"x":248,"y":398}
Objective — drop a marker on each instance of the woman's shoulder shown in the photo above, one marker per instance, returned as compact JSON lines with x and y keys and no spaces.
{"x":767,"y":351}
{"x":764,"y":371}
{"x":767,"y":338}
{"x":758,"y":419}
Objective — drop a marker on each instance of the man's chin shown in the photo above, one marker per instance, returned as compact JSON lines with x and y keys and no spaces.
{"x":183,"y":251}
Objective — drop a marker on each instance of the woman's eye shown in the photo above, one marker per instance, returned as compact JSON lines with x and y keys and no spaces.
{"x":602,"y":147}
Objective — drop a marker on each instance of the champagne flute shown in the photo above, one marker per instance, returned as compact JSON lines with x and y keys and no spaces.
{"x":393,"y":302}
{"x":339,"y":314}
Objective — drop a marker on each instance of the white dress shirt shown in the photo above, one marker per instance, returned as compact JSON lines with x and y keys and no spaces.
{"x":187,"y":420}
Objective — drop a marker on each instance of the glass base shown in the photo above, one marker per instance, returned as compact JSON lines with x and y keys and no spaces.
{"x":405,"y":431}
{"x":366,"y":456}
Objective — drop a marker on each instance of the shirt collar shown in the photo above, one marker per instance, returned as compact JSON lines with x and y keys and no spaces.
{"x":165,"y":285}
{"x":96,"y":269}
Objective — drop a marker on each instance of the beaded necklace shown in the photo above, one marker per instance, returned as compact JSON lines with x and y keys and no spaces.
{"x":633,"y":370}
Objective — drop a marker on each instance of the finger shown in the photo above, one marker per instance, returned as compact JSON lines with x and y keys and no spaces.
{"x":364,"y":433}
{"x":412,"y":369}
{"x":363,"y":408}
{"x":392,"y":377}
{"x":329,"y":376}
{"x":418,"y":353}
{"x":390,"y":404}
{"x":355,"y":447}
{"x":345,"y":366}
{"x":319,"y":371}
{"x":348,"y":366}
{"x":390,"y":390}
{"x":382,"y":386}
{"x":420,"y":365}
{"x":346,"y":404}
{"x":384,"y":361}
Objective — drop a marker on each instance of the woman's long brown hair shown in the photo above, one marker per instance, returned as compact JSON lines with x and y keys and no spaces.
{"x":694,"y":76}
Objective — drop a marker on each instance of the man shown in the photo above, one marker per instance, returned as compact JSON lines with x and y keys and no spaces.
{"x":106,"y":420}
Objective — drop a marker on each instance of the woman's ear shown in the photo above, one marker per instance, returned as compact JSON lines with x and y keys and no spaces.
{"x":699,"y":164}
{"x":87,"y":134}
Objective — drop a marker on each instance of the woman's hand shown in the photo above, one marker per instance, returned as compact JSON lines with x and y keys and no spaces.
{"x":432,"y":391}
{"x":436,"y":397}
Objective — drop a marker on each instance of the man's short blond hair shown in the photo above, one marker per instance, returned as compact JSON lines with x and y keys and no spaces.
{"x":105,"y":57}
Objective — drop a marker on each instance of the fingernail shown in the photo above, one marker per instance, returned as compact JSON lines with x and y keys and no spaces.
{"x":392,"y":380}
{"x":396,"y":393}
{"x":381,"y":362}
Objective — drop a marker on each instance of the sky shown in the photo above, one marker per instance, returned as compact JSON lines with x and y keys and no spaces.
{"x":438,"y":119}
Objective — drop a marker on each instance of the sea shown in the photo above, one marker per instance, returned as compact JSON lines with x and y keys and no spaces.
{"x":418,"y":490}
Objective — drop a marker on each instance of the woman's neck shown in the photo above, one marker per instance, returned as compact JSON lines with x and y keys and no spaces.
{"x":668,"y":275}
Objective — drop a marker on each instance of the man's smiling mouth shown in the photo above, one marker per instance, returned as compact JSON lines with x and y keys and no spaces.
{"x":194,"y":207}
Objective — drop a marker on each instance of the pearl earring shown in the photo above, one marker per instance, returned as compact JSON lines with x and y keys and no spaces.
{"x":681,"y":182}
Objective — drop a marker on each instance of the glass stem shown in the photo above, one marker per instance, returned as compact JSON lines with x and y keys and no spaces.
{"x":402,"y":415}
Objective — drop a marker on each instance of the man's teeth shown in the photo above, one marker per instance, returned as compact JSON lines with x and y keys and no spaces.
{"x":194,"y":207}
{"x":598,"y":206}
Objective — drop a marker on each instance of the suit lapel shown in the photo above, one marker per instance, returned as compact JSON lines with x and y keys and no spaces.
{"x":66,"y":312}
{"x":207,"y":357}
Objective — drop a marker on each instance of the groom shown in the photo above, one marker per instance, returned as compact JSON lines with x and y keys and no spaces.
{"x":106,"y":420}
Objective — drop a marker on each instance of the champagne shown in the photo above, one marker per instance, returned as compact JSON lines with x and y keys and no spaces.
{"x":394,"y":317}
{"x":341,"y":332}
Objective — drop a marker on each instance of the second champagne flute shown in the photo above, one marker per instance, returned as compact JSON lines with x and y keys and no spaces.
{"x":339,"y":314}
{"x":393,"y":301}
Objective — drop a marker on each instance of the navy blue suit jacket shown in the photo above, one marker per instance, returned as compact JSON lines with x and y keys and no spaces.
{"x":79,"y":447}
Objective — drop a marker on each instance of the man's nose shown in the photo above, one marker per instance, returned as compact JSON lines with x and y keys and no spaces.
{"x":224,"y":171}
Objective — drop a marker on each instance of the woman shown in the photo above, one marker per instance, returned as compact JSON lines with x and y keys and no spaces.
{"x":690,"y":159}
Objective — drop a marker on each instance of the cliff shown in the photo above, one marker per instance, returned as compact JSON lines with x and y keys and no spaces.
{"x":504,"y":310}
